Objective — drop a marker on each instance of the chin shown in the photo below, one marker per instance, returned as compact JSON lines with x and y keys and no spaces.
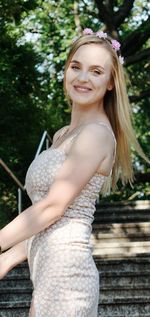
{"x":81,"y":100}
{"x":80,"y":103}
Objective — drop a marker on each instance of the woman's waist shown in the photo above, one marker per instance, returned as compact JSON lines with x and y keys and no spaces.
{"x":65,"y":230}
{"x":69,"y":229}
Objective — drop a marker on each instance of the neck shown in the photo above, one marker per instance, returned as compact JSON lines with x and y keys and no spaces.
{"x":86,"y":114}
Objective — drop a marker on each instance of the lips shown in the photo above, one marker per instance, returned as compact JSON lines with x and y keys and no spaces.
{"x":82,"y":88}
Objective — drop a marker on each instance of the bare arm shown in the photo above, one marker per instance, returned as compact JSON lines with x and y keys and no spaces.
{"x":90,"y":148}
{"x":30,"y":222}
{"x":18,"y":253}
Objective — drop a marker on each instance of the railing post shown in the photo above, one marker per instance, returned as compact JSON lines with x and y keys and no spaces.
{"x":45,"y":138}
{"x":47,"y":143}
{"x":19,"y":200}
{"x":97,"y":200}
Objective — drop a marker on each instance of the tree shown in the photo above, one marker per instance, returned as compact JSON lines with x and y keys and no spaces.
{"x":20,"y":99}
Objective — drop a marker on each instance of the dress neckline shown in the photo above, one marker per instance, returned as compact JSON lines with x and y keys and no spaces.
{"x":84,"y":124}
{"x":77,"y":129}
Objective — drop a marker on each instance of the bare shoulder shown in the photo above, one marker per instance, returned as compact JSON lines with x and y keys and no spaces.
{"x":98,"y":135}
{"x":95,"y":144}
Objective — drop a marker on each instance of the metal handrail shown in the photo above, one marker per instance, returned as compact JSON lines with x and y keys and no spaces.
{"x":16,"y":180}
{"x":45,"y":138}
{"x":11,"y":174}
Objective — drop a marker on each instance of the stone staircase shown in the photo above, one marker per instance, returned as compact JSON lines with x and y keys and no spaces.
{"x":121,"y":250}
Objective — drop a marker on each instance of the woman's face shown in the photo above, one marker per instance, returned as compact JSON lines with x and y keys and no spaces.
{"x":88,"y":75}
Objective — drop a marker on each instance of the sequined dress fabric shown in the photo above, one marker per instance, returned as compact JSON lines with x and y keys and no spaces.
{"x":64,"y":275}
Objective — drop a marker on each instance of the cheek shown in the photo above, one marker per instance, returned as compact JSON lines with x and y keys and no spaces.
{"x":103,"y":82}
{"x":100,"y":83}
{"x":67,"y":79}
{"x":69,"y":75}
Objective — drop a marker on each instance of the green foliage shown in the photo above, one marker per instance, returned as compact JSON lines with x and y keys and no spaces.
{"x":8,"y":204}
{"x":20,"y":100}
{"x":139,"y":191}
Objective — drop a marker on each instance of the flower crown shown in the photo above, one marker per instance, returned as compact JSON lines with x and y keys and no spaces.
{"x":102,"y":35}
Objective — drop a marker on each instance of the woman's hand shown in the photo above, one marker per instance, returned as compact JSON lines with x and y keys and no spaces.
{"x":4,"y":265}
{"x":12,"y":257}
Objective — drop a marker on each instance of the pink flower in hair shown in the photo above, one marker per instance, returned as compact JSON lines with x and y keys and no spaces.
{"x":87,"y":31}
{"x":116,"y":45}
{"x":101,"y":35}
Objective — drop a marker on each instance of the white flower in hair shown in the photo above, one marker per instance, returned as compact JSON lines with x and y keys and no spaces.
{"x":87,"y":31}
{"x":121,"y":60}
{"x":101,"y":34}
{"x":116,"y":45}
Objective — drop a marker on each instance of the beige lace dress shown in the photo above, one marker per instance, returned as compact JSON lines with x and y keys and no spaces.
{"x":64,"y":275}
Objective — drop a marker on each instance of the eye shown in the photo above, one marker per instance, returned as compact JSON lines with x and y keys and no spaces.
{"x":97,"y":72}
{"x":74,"y":67}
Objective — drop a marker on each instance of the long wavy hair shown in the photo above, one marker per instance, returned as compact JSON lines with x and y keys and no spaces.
{"x":118,"y":110}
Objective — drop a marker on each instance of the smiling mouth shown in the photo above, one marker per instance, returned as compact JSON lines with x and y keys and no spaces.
{"x":82,"y":89}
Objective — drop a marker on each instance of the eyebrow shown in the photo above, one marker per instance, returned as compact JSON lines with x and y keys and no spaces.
{"x":94,"y":66}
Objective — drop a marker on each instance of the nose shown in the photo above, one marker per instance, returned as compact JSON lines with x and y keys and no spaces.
{"x":83,"y":76}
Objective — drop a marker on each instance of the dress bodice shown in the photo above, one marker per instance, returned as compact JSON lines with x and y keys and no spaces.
{"x":41,"y":175}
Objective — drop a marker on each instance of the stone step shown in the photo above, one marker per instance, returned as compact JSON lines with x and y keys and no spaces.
{"x":125,"y":310}
{"x":121,"y":273}
{"x":120,"y":230}
{"x":20,"y":270}
{"x":122,"y":209}
{"x":125,"y":300}
{"x":17,"y":274}
{"x":125,"y":281}
{"x":118,"y":212}
{"x":15,"y":294}
{"x":108,"y":238}
{"x":120,"y":240}
{"x":14,"y":312}
{"x":15,"y":282}
{"x":118,"y":216}
{"x":123,"y":295}
{"x":132,"y":205}
{"x":14,"y":309}
{"x":128,"y":265}
{"x":120,"y":249}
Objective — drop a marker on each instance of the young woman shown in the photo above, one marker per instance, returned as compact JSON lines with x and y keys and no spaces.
{"x":86,"y":157}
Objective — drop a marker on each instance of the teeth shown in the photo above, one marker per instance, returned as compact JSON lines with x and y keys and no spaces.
{"x":82,"y":89}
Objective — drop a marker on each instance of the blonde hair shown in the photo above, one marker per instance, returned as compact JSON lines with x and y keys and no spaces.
{"x":117,"y":108}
